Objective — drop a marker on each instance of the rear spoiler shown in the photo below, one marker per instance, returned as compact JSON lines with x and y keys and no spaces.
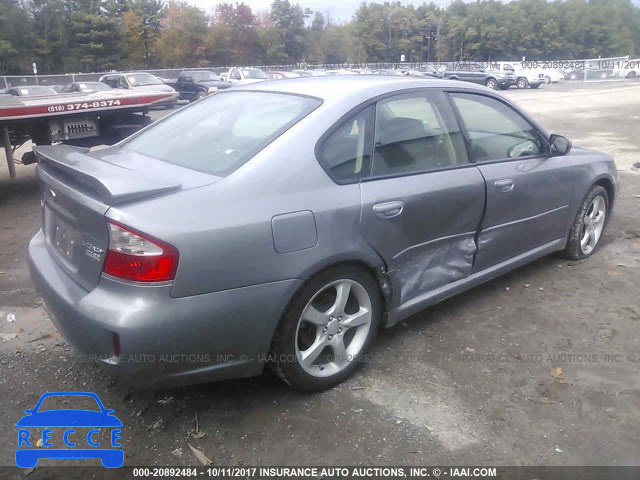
{"x":112,"y":183}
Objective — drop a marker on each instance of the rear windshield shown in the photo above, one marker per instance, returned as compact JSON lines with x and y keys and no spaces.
{"x":220,"y":133}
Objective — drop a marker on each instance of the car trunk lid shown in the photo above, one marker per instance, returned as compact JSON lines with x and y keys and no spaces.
{"x":80,"y":186}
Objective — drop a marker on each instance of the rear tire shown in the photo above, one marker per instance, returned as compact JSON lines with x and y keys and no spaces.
{"x":491,"y":83}
{"x":547,"y":79}
{"x":327,"y":329}
{"x":588,"y":226}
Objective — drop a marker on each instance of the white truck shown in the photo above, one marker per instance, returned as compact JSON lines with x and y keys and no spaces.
{"x":525,"y":77}
{"x":244,"y":76}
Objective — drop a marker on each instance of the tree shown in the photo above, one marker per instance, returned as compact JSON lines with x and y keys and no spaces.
{"x":290,"y":22}
{"x":94,"y":37}
{"x":17,"y":40}
{"x":151,"y":12}
{"x":132,"y":51}
{"x":181,"y":42}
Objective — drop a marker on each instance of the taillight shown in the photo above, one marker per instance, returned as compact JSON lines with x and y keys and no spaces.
{"x":135,"y":256}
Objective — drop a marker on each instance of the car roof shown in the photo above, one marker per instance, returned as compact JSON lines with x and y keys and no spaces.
{"x":352,"y":88}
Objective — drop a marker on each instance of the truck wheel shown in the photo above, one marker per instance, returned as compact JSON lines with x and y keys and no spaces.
{"x":491,"y":83}
{"x":201,"y":95}
{"x":522,"y":83}
{"x":547,"y":79}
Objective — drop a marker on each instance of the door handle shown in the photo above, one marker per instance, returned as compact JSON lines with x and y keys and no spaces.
{"x":388,"y":209}
{"x":504,"y":186}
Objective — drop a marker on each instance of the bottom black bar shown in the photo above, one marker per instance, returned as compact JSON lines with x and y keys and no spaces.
{"x":326,"y":472}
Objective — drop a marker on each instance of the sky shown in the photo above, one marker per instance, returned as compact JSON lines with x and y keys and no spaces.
{"x":339,"y":10}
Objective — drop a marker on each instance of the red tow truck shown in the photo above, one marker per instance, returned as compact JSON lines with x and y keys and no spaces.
{"x":83,"y":119}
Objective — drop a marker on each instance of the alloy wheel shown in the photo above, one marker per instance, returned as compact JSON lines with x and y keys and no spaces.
{"x":333,"y":328}
{"x":593,"y":225}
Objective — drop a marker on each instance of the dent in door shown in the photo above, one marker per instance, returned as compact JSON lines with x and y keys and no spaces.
{"x":439,"y":262}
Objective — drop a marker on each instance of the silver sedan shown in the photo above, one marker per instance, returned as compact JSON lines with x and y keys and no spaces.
{"x":284,"y":223}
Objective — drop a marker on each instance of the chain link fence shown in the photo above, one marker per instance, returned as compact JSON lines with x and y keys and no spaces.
{"x":585,"y":70}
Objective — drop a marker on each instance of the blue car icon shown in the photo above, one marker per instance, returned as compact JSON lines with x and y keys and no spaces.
{"x":68,"y":420}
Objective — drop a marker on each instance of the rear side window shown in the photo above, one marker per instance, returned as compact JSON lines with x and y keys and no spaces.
{"x":347,"y":151}
{"x":217,"y":135}
{"x":416,"y":133}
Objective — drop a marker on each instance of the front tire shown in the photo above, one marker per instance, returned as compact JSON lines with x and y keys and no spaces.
{"x":522,"y":83}
{"x":327,"y":329}
{"x":588,"y":225}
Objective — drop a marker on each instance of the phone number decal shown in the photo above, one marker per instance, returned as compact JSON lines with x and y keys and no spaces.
{"x":84,"y":106}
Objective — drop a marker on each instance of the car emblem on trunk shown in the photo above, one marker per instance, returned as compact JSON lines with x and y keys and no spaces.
{"x":92,"y":251}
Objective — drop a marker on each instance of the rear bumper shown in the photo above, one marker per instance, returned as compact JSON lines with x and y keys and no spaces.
{"x":163,"y":341}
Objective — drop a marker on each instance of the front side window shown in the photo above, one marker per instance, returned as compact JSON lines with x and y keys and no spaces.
{"x":416,"y":133}
{"x":346,"y":152}
{"x":496,"y":131}
{"x":217,"y":135}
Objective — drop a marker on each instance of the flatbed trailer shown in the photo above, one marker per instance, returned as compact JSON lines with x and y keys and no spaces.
{"x":85,"y":119}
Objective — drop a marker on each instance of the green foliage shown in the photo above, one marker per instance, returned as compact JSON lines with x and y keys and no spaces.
{"x":95,"y":35}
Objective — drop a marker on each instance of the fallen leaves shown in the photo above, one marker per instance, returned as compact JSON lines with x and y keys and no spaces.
{"x":198,"y":434}
{"x":199,"y":454}
{"x":556,"y":372}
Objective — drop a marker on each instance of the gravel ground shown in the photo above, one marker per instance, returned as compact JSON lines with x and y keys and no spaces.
{"x":538,"y":367}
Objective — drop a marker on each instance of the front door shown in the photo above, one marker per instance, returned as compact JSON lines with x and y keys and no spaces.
{"x":422,"y":201}
{"x":528,"y":192}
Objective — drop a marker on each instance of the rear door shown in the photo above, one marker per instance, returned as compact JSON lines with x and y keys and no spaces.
{"x":528,"y":192}
{"x":422,"y":200}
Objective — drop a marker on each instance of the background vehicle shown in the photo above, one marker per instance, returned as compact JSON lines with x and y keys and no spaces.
{"x":552,"y":76}
{"x":195,"y":85}
{"x":627,"y":68}
{"x":525,"y":77}
{"x":339,"y":257}
{"x":31,"y":91}
{"x":94,"y":118}
{"x":84,"y":87}
{"x":243,"y":76}
{"x":139,"y":81}
{"x":281,"y":75}
{"x":477,"y":73}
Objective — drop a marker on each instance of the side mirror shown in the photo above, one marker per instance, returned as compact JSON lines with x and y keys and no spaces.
{"x":559,"y":145}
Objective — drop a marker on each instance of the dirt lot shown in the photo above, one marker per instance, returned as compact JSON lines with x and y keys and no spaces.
{"x":473,"y":380}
